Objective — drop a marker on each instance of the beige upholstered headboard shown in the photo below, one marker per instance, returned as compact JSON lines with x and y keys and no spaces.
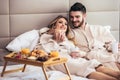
{"x":19,"y":16}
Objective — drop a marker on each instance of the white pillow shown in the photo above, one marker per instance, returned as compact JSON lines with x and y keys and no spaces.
{"x":43,"y":30}
{"x":26,"y":40}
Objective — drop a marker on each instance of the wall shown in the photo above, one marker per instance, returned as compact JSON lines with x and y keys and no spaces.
{"x":19,"y":16}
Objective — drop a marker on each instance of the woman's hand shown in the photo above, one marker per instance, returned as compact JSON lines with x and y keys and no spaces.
{"x":59,"y":35}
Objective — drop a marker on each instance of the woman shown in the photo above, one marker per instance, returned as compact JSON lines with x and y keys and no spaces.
{"x":91,"y":69}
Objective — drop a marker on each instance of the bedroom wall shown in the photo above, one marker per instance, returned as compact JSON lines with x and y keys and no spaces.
{"x":19,"y":16}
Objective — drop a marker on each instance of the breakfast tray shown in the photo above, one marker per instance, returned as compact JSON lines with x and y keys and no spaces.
{"x":49,"y":62}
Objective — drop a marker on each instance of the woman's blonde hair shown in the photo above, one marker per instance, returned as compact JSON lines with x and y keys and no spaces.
{"x":69,"y":32}
{"x":53,"y":23}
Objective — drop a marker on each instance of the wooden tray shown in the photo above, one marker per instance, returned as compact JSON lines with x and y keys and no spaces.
{"x":49,"y":62}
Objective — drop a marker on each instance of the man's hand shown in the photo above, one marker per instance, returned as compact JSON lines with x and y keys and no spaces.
{"x":75,"y":54}
{"x":119,"y":45}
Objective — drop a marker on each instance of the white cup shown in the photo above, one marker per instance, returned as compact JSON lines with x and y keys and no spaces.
{"x":115,"y":47}
{"x":74,"y":49}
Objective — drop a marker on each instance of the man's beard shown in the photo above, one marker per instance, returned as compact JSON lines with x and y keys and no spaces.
{"x":79,"y":25}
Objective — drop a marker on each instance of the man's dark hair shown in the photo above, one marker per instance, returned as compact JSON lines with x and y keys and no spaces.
{"x":78,"y":7}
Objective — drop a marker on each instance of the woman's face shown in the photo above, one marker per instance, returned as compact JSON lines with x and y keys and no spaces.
{"x":61,"y":24}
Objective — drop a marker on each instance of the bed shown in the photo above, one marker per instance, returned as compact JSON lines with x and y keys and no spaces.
{"x":38,"y":74}
{"x":20,"y":16}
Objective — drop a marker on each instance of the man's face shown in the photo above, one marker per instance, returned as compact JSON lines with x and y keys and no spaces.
{"x":77,"y":18}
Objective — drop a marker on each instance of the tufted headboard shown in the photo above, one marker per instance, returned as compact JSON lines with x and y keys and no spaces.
{"x":19,"y":16}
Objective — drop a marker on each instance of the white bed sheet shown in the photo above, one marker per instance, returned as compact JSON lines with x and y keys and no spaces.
{"x":34,"y":73}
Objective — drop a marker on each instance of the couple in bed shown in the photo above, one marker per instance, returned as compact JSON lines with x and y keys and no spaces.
{"x":77,"y":64}
{"x":60,"y":37}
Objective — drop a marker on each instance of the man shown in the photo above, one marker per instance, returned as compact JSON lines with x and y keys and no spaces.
{"x":92,"y":38}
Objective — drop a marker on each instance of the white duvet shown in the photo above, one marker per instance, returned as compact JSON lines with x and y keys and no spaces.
{"x":34,"y":73}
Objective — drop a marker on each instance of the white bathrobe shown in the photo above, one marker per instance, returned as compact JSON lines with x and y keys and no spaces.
{"x":92,"y":39}
{"x":78,"y":66}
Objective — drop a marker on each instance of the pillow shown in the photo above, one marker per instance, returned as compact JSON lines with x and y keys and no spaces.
{"x":102,"y":33}
{"x":43,"y":30}
{"x":26,"y":40}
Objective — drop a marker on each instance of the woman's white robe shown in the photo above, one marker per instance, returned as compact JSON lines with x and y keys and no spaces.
{"x":78,"y":66}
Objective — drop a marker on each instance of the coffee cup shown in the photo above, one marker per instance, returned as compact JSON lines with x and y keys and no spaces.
{"x":114,"y":47}
{"x":74,"y":49}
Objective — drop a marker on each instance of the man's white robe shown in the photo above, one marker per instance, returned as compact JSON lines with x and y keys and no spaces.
{"x":92,"y":40}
